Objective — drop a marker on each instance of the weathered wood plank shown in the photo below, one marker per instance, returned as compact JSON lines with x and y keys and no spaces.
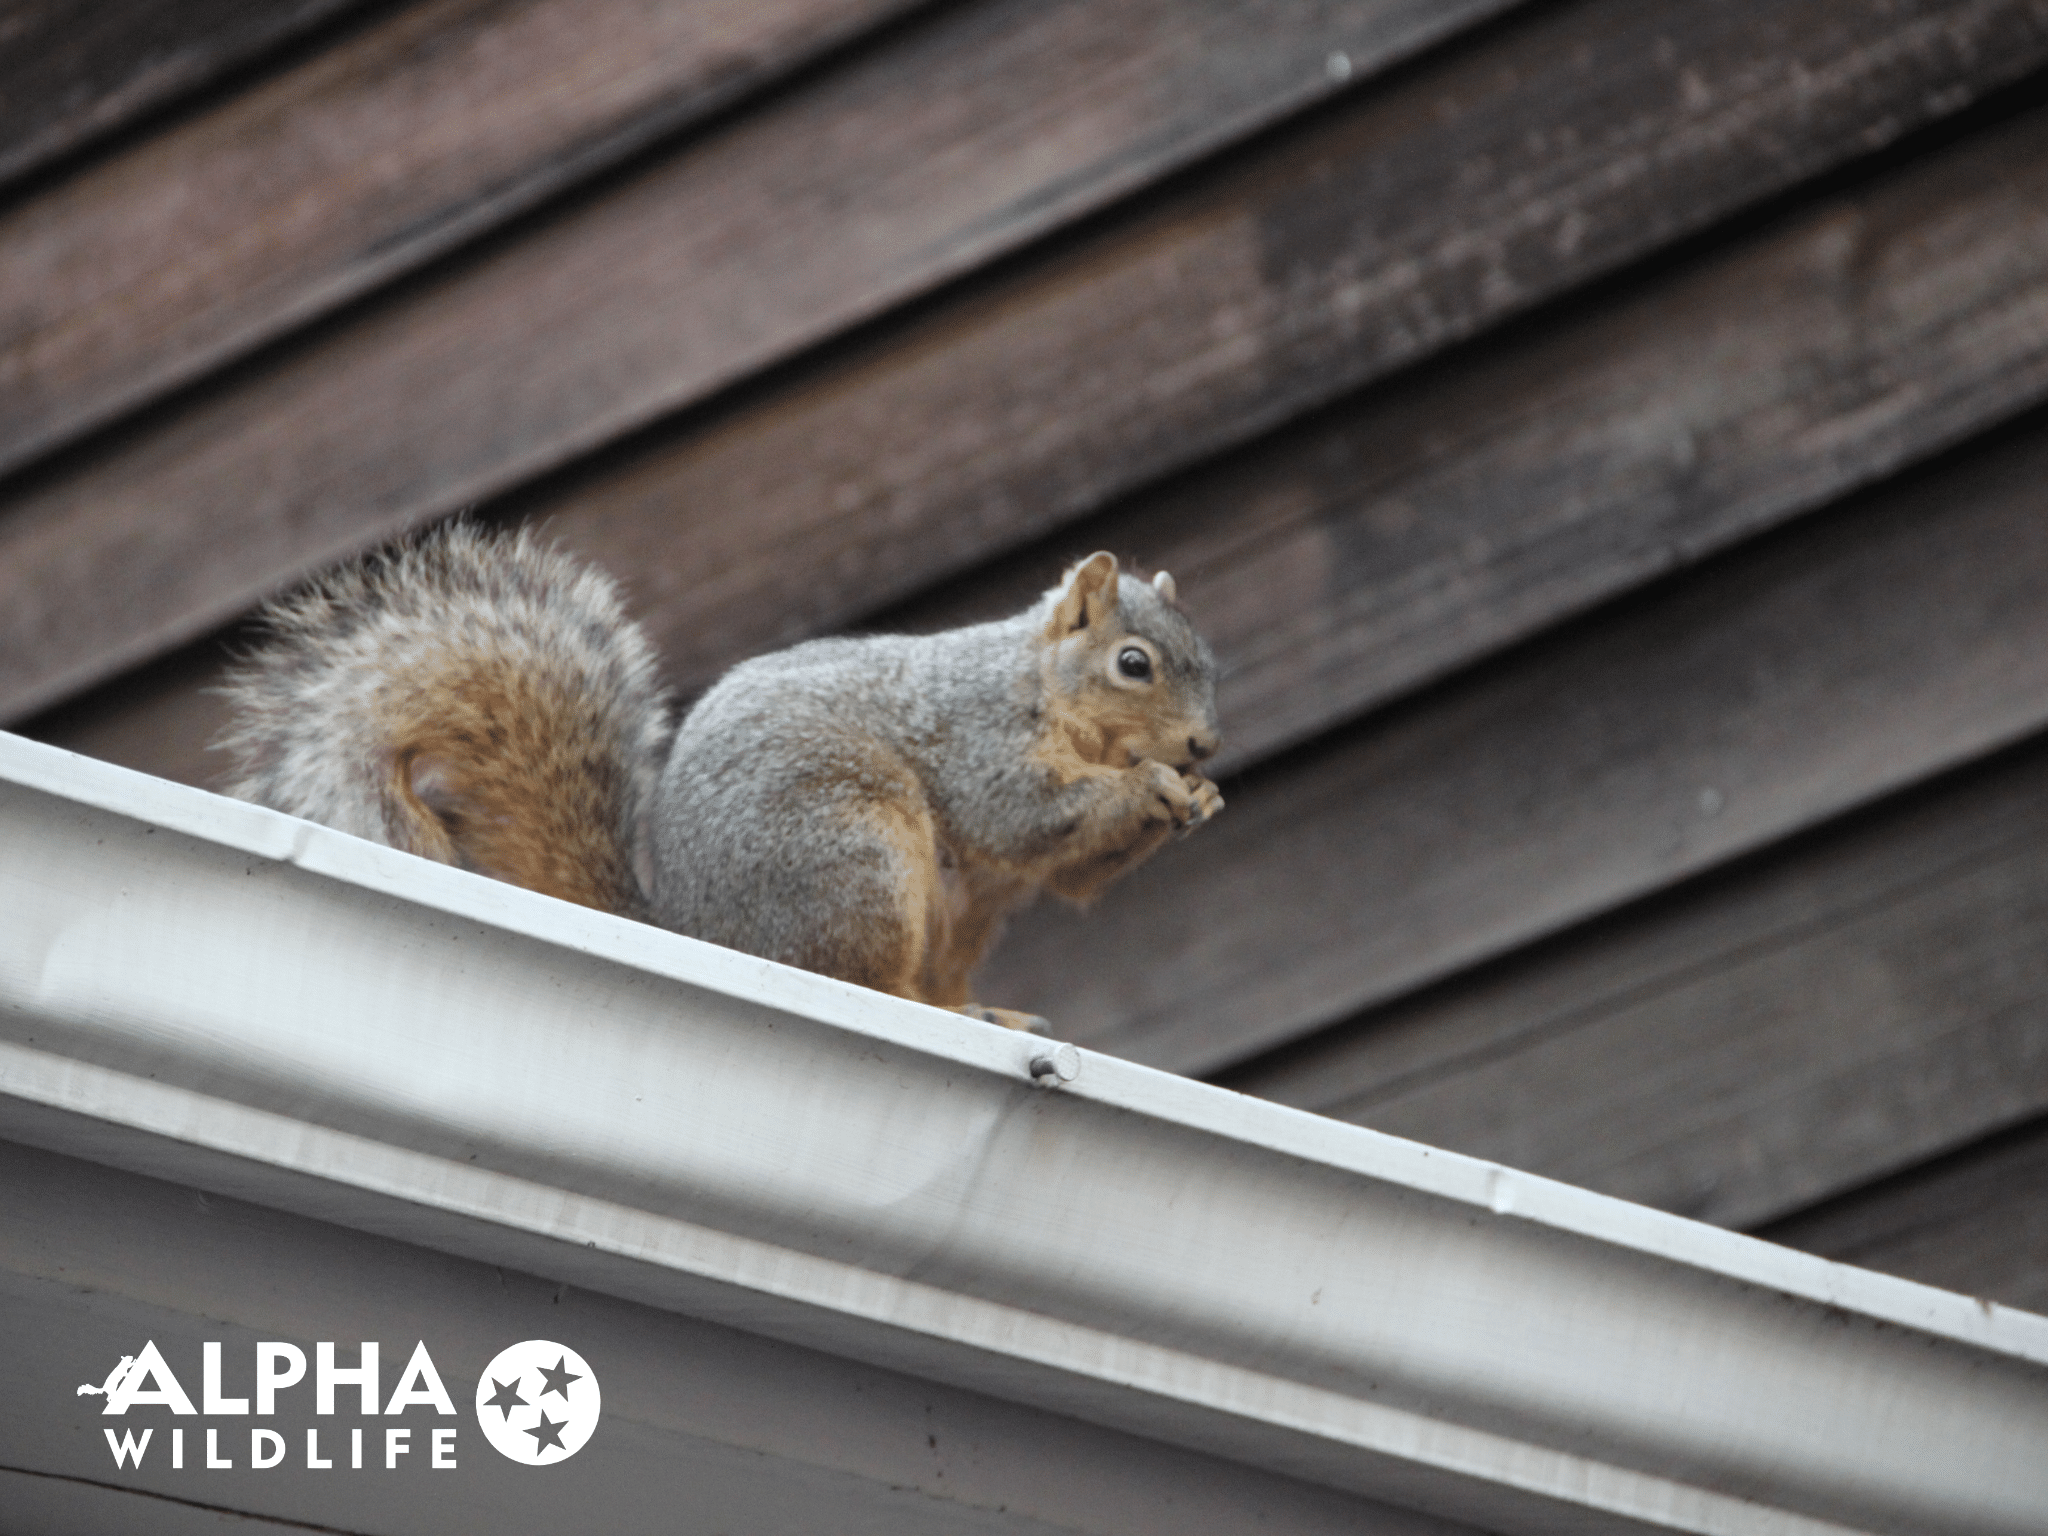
{"x":70,"y":73}
{"x":1495,"y":177}
{"x":1802,"y":1025}
{"x":161,"y":718}
{"x":1796,"y":678}
{"x":1975,"y":1222}
{"x":913,"y":163}
{"x":1417,"y":527}
{"x":334,"y":447}
{"x":357,"y":165}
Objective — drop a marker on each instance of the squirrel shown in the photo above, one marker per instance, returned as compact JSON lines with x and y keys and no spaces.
{"x":871,"y":809}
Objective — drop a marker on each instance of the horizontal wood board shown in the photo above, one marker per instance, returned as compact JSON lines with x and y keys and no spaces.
{"x":1811,"y":1021}
{"x":71,"y":73}
{"x":161,"y":718}
{"x":871,"y":478}
{"x":1420,"y":526}
{"x":1791,"y":681}
{"x":1975,"y":1222}
{"x":1564,"y":143}
{"x":910,"y":164}
{"x":356,"y":165}
{"x":1424,"y":524}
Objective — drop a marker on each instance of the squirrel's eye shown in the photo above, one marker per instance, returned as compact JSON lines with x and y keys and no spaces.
{"x":1134,"y":663}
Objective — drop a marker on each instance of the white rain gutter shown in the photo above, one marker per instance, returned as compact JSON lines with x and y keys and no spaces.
{"x":213,"y":993}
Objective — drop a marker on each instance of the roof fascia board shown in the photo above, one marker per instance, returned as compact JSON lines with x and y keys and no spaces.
{"x":208,"y":991}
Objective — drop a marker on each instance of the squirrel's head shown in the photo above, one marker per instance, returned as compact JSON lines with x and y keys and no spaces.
{"x":1126,"y":672}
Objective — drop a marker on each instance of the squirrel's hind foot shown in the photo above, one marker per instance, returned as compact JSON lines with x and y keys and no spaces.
{"x":1009,"y":1018}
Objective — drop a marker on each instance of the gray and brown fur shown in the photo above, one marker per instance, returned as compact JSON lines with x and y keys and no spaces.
{"x":870,"y":809}
{"x":476,"y":699}
{"x":875,"y":808}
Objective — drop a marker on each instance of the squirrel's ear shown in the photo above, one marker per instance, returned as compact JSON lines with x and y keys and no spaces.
{"x":1090,"y":594}
{"x":1163,"y":585}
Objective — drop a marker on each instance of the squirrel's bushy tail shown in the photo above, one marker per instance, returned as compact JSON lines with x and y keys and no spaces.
{"x":477,"y":698}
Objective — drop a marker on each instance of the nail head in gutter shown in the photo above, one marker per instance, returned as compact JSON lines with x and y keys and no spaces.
{"x":1060,"y":1064}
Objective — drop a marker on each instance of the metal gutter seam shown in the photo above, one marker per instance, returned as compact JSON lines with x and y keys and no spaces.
{"x":207,"y":991}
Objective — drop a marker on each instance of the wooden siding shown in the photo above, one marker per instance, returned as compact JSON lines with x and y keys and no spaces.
{"x":72,"y":75}
{"x":1607,"y":441}
{"x":1976,"y":1222}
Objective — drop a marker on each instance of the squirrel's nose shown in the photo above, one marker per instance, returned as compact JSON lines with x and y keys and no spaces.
{"x":1200,"y":747}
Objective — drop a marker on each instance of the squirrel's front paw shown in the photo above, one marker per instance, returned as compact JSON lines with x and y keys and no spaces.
{"x":1185,"y":799}
{"x":1204,"y":801}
